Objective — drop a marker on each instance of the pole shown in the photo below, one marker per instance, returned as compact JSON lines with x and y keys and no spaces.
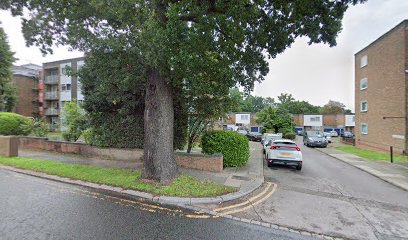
{"x":391,"y":155}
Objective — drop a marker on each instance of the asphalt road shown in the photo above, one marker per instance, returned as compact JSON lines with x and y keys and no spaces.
{"x":333,"y":198}
{"x":35,"y":208}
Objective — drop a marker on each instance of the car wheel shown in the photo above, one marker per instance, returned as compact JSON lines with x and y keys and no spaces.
{"x":299,"y":167}
{"x":270,"y":164}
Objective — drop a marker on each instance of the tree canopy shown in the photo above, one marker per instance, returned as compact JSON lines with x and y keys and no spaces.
{"x":7,"y":89}
{"x":211,"y":44}
{"x":334,"y":107}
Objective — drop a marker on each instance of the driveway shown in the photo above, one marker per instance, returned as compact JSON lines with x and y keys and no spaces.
{"x":332,"y":198}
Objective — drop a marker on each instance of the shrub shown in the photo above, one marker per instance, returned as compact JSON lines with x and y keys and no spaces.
{"x":232,"y":145}
{"x":14,"y":124}
{"x":40,"y":128}
{"x":289,"y":135}
{"x":74,"y":120}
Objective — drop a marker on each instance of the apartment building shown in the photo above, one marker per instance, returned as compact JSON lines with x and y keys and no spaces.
{"x":26,"y":80}
{"x":381,"y":92}
{"x":243,"y":120}
{"x":60,"y":87}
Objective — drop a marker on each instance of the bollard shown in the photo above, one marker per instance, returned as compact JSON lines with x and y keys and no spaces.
{"x":391,"y":155}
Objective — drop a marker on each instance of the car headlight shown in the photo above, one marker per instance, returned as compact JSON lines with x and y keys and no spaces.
{"x":311,"y":139}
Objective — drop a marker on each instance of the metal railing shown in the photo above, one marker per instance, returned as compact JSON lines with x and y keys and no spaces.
{"x":51,"y":95}
{"x":51,"y":111}
{"x":52,"y":79}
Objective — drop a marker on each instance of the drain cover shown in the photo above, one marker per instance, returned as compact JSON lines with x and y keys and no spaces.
{"x":241,"y":178}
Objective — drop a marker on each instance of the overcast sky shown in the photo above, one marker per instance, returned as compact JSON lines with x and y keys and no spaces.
{"x":315,"y":73}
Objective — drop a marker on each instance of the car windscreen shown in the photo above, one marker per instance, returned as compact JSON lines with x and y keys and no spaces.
{"x":314,"y":134}
{"x":284,"y":146}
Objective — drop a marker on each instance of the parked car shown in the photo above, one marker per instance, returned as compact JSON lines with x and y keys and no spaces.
{"x":256,"y":137}
{"x":299,"y":132}
{"x":348,"y":135}
{"x":334,"y":133}
{"x":327,"y":136}
{"x":243,"y":132}
{"x":270,"y":137}
{"x":285,"y":152}
{"x":314,"y":139}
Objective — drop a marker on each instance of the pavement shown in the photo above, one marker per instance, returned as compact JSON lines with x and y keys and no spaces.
{"x":246,"y":179}
{"x":394,"y":173}
{"x":36,"y":208}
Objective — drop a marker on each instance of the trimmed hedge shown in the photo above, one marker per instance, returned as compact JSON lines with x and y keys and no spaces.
{"x":234,"y":146}
{"x":14,"y":124}
{"x":290,"y":135}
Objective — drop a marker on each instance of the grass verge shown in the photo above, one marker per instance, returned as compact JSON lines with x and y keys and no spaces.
{"x":371,"y":155}
{"x":183,"y":186}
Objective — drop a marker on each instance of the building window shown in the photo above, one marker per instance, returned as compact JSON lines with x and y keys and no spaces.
{"x":63,"y":104}
{"x":363,"y":61}
{"x":66,"y":87}
{"x":315,"y":119}
{"x":245,"y":117}
{"x":353,"y":119}
{"x":363,"y":106}
{"x":363,"y":84}
{"x":364,"y":128}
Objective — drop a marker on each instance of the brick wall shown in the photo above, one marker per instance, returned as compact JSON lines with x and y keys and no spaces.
{"x":386,"y":91}
{"x":25,"y":95}
{"x":213,"y":163}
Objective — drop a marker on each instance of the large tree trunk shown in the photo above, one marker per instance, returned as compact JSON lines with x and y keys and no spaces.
{"x":159,"y":161}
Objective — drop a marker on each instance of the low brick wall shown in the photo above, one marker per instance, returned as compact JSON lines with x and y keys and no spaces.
{"x":349,"y":141}
{"x":213,"y":163}
{"x":81,"y":149}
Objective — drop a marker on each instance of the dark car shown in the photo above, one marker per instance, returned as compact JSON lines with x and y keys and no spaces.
{"x":348,"y":135}
{"x":314,"y":139}
{"x":255,"y":137}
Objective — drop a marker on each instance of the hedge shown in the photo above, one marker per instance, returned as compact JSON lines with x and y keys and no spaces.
{"x":14,"y":124}
{"x":234,"y":146}
{"x":290,"y":135}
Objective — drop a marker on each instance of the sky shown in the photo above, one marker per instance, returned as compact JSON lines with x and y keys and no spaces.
{"x":314,"y":73}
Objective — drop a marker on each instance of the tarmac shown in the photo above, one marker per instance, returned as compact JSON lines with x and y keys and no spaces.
{"x":393,"y":173}
{"x":246,"y":179}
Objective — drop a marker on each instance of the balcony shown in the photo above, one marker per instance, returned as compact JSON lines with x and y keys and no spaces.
{"x":51,"y":96}
{"x":51,"y":80}
{"x":51,"y":111}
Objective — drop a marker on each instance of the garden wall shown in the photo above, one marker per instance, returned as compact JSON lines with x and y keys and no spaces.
{"x":212,"y":163}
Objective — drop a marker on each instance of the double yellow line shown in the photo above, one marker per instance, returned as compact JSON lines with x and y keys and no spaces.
{"x":265,"y":194}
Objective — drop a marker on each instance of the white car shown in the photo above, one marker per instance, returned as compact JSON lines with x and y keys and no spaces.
{"x":270,"y":136}
{"x":327,"y":136}
{"x":285,"y":152}
{"x":334,"y":133}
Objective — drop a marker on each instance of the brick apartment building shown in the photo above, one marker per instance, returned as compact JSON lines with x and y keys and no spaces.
{"x":59,"y":87}
{"x":26,"y":79}
{"x":243,"y":120}
{"x":381,"y":92}
{"x":324,"y":122}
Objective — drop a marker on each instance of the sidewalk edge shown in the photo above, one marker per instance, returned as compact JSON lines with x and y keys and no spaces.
{"x":367,"y":171}
{"x":135,"y":193}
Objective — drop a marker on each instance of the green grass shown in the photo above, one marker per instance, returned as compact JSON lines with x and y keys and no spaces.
{"x":371,"y":155}
{"x":183,"y":186}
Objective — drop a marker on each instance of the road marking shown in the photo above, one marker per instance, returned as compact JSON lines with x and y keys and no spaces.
{"x":252,"y":204}
{"x":247,"y":201}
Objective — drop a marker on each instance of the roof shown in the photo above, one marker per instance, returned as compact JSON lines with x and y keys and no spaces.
{"x":404,"y":22}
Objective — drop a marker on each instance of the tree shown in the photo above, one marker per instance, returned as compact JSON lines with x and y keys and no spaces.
{"x":301,"y":107}
{"x":74,"y":121}
{"x":178,"y":41}
{"x":276,"y":119}
{"x":285,"y":98}
{"x":7,"y":90}
{"x":333,"y":107}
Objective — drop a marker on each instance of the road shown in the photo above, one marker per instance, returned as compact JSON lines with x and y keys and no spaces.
{"x":35,"y":208}
{"x":333,"y":198}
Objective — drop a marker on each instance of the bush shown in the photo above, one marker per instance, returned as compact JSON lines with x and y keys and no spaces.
{"x":74,"y":120}
{"x":14,"y":124}
{"x":289,"y":135}
{"x":40,"y":128}
{"x":232,"y":145}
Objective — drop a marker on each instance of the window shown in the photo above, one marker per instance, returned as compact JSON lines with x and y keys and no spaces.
{"x":364,"y":128}
{"x":353,"y":119}
{"x":66,"y":87}
{"x":363,"y":83}
{"x":63,"y":104}
{"x":244,"y":117}
{"x":315,"y":119}
{"x":363,"y":61}
{"x":363,"y":106}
